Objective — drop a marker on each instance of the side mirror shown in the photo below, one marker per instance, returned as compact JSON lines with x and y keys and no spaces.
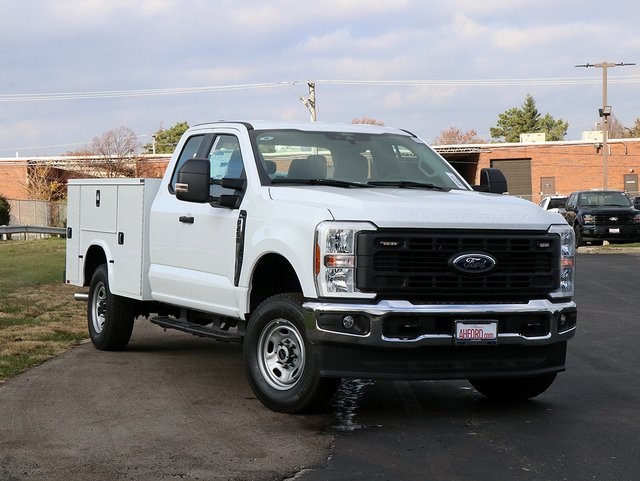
{"x":492,"y":180}
{"x":193,"y":181}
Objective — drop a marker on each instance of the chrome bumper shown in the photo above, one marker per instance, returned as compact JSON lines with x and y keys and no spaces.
{"x":321,"y":332}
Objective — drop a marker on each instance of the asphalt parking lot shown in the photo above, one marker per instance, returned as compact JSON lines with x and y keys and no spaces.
{"x":173,"y":406}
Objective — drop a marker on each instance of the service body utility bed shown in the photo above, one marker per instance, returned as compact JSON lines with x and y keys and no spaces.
{"x":112,"y":215}
{"x":329,"y":251}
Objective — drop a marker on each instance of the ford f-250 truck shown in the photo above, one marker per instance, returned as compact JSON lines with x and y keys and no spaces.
{"x":329,"y":251}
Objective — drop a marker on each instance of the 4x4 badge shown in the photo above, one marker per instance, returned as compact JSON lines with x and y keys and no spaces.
{"x":473,"y":262}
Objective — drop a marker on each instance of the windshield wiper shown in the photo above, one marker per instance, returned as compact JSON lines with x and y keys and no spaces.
{"x":406,"y":184}
{"x":330,"y":182}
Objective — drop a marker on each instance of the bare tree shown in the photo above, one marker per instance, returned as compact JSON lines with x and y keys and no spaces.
{"x":454,"y":136}
{"x":117,"y":151}
{"x":615,"y":129}
{"x":45,"y":183}
{"x":368,"y":121}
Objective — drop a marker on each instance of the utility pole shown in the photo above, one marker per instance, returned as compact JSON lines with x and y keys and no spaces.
{"x":310,"y":101}
{"x":605,"y":112}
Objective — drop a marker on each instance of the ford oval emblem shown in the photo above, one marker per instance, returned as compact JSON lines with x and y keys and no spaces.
{"x":473,"y":263}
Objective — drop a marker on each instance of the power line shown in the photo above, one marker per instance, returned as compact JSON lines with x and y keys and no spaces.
{"x":104,"y":94}
{"x":109,"y":94}
{"x":486,"y":82}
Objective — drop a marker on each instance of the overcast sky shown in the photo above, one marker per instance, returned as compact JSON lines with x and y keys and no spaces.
{"x":456,"y":63}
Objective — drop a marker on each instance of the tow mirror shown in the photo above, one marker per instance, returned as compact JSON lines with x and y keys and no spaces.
{"x":193,"y":181}
{"x":492,"y":180}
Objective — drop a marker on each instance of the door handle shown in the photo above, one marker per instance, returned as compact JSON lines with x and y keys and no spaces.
{"x":186,"y":219}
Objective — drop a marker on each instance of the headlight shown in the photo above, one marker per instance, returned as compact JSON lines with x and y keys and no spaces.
{"x":335,"y":258}
{"x":636,"y":219}
{"x":567,"y":260}
{"x":588,"y":219}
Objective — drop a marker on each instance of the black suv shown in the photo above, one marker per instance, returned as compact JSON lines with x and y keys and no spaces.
{"x":602,"y":215}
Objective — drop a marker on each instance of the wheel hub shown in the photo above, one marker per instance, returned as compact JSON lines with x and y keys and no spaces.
{"x":286,"y":353}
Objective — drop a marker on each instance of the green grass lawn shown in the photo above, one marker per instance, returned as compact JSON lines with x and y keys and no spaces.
{"x":38,"y":315}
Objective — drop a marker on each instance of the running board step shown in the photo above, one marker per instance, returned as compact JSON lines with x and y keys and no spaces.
{"x":196,"y":329}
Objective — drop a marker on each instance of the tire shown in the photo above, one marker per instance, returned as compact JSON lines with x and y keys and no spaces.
{"x":109,"y":317}
{"x":280,"y":362}
{"x":513,"y":389}
{"x":579,"y":241}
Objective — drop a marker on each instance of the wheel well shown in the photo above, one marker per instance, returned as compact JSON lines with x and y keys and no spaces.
{"x":273,"y":275}
{"x":95,"y":257}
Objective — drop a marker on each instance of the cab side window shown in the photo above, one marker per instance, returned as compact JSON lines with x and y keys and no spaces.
{"x":226,"y":160}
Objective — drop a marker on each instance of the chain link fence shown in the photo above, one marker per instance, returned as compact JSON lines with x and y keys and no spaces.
{"x":38,"y":213}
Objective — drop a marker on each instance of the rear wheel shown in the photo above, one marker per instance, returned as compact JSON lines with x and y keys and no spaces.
{"x":514,"y":389}
{"x":280,"y":362}
{"x":109,"y":317}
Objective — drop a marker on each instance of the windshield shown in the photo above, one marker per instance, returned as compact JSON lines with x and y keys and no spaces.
{"x":601,"y":199}
{"x":347,"y":159}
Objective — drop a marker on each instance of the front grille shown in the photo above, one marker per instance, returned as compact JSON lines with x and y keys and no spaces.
{"x":614,"y":219}
{"x":416,"y":265}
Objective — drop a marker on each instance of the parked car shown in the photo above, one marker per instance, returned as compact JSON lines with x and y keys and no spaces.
{"x":554,"y":203}
{"x":602,"y":215}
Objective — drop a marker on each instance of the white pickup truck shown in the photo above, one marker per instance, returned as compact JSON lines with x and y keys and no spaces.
{"x":329,"y":251}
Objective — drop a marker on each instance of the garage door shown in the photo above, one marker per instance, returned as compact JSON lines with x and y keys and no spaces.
{"x":518,"y":174}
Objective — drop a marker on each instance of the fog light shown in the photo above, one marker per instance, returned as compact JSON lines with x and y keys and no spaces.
{"x":567,"y":320}
{"x":348,"y":322}
{"x":352,"y":324}
{"x":563,"y":323}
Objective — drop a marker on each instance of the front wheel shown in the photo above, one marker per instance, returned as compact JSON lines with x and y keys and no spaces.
{"x":110,"y":318}
{"x":513,"y":389}
{"x":279,"y":360}
{"x":579,"y":241}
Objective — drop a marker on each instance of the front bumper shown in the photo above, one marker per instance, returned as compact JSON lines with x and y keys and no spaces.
{"x":602,"y":232}
{"x":397,"y":339}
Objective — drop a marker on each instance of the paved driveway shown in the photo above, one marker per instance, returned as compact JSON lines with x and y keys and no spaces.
{"x":171,"y":407}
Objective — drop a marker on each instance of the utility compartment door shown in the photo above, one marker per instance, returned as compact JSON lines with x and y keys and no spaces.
{"x":98,"y":207}
{"x":72,"y":259}
{"x":127,"y":253}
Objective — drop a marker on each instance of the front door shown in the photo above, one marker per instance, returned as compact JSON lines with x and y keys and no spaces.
{"x":193,"y":246}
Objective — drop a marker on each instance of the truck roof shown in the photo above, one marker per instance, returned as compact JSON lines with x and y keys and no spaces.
{"x":310,"y":126}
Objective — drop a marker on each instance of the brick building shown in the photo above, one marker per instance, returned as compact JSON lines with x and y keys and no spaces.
{"x":533,"y":170}
{"x":16,"y":173}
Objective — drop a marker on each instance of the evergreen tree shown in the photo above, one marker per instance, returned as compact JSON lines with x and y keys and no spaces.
{"x":167,"y":139}
{"x":525,"y":120}
{"x":5,"y":211}
{"x":634,"y":131}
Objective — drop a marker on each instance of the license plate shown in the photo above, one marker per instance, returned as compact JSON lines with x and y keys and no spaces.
{"x":476,"y":332}
{"x":615,"y":230}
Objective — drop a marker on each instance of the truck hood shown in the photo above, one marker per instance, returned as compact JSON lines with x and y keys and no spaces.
{"x":608,"y":210}
{"x":411,"y":208}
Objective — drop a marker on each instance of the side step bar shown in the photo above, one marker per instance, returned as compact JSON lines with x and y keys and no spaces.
{"x":196,"y":329}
